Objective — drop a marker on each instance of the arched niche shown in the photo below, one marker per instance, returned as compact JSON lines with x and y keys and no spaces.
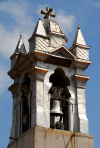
{"x":25,"y":89}
{"x":59,"y":91}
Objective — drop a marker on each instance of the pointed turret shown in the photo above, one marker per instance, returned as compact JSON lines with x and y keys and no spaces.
{"x":39,"y":39}
{"x":79,"y":47}
{"x":79,"y":39}
{"x":39,"y":29}
{"x":20,"y":46}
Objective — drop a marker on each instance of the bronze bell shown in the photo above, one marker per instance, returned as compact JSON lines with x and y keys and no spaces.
{"x":55,"y":109}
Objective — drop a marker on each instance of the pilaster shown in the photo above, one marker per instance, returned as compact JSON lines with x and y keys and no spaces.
{"x":80,"y":81}
{"x":39,"y":114}
{"x":16,"y":91}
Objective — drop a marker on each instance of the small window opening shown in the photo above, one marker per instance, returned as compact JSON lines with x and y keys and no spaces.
{"x":25,"y":88}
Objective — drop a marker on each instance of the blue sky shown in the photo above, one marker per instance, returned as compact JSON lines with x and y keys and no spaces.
{"x":21,"y":16}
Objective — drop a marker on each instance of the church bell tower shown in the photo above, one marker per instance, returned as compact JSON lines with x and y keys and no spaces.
{"x":49,"y":106}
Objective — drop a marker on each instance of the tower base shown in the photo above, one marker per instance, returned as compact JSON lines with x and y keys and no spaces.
{"x":40,"y":137}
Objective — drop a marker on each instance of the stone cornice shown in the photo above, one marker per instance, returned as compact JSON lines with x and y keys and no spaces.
{"x":53,"y":59}
{"x":24,"y":63}
{"x":80,"y":80}
{"x":79,"y":45}
{"x":14,"y":88}
{"x":63,"y":35}
{"x":82,"y":77}
{"x":31,"y":38}
{"x":39,"y":73}
{"x":13,"y":55}
{"x":81,"y":64}
{"x":22,"y":66}
{"x":40,"y":70}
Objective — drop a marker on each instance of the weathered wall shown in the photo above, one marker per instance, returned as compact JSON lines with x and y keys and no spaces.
{"x":40,"y":137}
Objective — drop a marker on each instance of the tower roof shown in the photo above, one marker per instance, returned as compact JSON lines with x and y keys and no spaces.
{"x":79,"y":39}
{"x":39,"y":29}
{"x":20,"y":46}
{"x":52,"y":26}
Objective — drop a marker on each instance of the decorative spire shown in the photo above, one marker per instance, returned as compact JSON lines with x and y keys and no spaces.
{"x":48,"y":13}
{"x":39,"y":29}
{"x":79,"y":39}
{"x":20,"y":46}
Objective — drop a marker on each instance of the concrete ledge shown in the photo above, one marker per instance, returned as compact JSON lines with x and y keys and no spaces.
{"x":40,"y":137}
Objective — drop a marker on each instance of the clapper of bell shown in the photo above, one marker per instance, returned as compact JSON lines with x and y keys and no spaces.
{"x":55,"y":108}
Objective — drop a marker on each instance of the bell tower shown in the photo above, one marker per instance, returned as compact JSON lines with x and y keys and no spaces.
{"x":49,"y":106}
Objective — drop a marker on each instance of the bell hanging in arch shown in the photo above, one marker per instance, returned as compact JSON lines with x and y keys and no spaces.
{"x":55,"y":109}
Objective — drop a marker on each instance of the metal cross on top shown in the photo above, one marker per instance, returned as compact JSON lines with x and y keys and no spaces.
{"x":48,"y":13}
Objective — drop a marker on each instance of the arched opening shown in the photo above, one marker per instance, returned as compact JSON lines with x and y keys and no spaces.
{"x":59,"y":99}
{"x":25,"y":88}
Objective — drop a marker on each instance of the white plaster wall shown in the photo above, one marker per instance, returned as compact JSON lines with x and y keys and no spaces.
{"x":79,"y":71}
{"x":15,"y":130}
{"x":83,"y":121}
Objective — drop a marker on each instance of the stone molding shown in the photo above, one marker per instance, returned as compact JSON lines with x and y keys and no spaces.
{"x":14,"y":88}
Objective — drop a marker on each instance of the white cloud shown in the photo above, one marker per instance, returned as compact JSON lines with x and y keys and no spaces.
{"x":66,"y":21}
{"x":9,"y":41}
{"x":18,"y":12}
{"x":97,"y":4}
{"x":24,"y":23}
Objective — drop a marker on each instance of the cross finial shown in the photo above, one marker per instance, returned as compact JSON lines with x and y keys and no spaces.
{"x":48,"y":13}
